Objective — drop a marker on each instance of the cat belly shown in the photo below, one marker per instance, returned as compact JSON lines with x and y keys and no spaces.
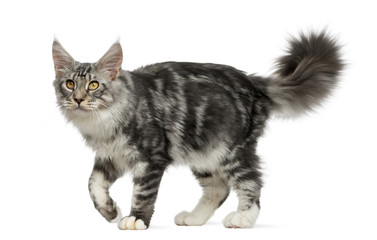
{"x":207,"y":159}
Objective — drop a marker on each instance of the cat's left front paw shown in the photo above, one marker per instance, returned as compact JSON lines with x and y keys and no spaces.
{"x":131,"y":223}
{"x":111,"y":213}
{"x":118,"y":217}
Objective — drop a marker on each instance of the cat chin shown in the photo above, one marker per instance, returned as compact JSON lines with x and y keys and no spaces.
{"x":80,"y":110}
{"x":77,"y":113}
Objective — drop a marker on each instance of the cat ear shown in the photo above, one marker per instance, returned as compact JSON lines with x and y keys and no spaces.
{"x":62,"y":60}
{"x":110,"y":64}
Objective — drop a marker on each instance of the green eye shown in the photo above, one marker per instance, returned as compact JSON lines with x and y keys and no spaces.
{"x":93,"y":85}
{"x":70,"y":84}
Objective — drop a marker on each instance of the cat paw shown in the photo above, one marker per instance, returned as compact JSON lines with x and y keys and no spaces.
{"x":111,"y":214}
{"x":130,"y":223}
{"x":188,"y":219}
{"x":118,"y":217}
{"x":242,"y":219}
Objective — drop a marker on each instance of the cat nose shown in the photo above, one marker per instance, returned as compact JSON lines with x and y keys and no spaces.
{"x":78,"y":100}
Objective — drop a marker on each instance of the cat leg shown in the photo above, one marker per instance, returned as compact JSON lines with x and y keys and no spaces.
{"x":103,"y":176}
{"x":245,"y":179}
{"x":147,"y":178}
{"x":247,"y":213}
{"x":215,"y":192}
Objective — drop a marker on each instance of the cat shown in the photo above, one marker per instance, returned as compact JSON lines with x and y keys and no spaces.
{"x":203,"y":115}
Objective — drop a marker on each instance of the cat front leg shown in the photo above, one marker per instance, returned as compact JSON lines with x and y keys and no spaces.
{"x":146,"y":184}
{"x":103,"y":176}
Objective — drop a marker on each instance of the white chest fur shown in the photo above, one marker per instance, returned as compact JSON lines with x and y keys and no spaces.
{"x":100,"y":133}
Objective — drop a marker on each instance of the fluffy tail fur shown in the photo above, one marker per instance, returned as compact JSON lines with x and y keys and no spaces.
{"x":305,"y":75}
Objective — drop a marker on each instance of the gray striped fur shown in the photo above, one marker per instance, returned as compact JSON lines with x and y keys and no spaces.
{"x":206,"y":116}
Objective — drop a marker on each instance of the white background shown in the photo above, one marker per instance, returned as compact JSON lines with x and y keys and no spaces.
{"x":320,"y":170}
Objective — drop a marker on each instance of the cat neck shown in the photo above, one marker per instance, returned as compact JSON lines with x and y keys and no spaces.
{"x":100,"y":125}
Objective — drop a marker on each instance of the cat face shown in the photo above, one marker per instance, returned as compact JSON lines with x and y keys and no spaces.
{"x":85,"y":87}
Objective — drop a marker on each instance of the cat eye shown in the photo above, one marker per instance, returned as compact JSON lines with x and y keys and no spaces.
{"x":93,"y":85}
{"x":70,"y":84}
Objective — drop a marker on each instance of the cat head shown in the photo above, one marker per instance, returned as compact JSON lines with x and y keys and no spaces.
{"x":83,"y":88}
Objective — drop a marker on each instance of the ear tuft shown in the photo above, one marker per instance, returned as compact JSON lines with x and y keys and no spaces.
{"x":110,"y":64}
{"x":62,"y":60}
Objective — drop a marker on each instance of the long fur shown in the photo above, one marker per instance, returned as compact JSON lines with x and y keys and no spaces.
{"x":306,"y":75}
{"x":205,"y":116}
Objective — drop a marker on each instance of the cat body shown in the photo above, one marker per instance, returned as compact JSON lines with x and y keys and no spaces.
{"x":205,"y":116}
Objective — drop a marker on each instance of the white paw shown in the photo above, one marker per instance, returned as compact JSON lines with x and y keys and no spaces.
{"x":242,"y":219}
{"x":188,"y":219}
{"x":118,"y":217}
{"x":130,"y":223}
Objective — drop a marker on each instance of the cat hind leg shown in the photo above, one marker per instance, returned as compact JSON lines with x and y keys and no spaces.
{"x":245,"y":178}
{"x":215,"y":192}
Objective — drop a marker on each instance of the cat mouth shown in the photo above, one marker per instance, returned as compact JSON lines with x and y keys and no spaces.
{"x":80,"y":109}
{"x":83,"y":109}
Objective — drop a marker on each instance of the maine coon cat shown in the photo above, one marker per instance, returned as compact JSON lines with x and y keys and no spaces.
{"x":203,"y":115}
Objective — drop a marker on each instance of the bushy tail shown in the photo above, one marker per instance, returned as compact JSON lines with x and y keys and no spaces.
{"x":305,"y":75}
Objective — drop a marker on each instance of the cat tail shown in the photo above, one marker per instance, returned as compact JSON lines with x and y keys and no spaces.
{"x":306,"y":75}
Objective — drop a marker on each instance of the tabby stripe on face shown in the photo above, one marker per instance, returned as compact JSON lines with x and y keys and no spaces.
{"x":88,"y":69}
{"x":88,"y":77}
{"x":74,"y":76}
